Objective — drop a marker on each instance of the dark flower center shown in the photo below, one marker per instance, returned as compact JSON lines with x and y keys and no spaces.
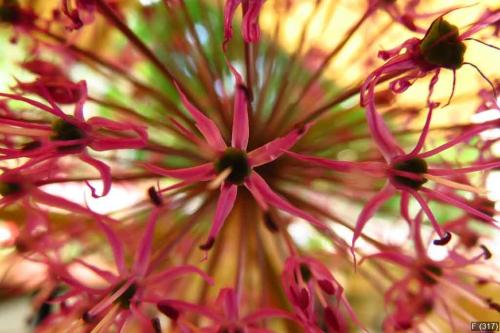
{"x":428,"y":273}
{"x":305,"y":272}
{"x":8,"y":188}
{"x":237,"y":161}
{"x":31,"y":145}
{"x":65,"y":131}
{"x":441,"y":45}
{"x":415,"y":166}
{"x":124,"y":299}
{"x":10,"y":12}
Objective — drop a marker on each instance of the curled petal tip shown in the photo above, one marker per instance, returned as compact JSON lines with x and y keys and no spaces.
{"x":486,"y":251}
{"x":443,"y":240}
{"x":208,"y":245}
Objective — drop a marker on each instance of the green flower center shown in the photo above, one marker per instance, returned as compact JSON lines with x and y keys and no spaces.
{"x":237,"y":161}
{"x":441,"y":45}
{"x":416,"y":166}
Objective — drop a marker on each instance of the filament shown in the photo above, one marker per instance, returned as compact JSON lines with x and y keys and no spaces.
{"x":221,"y":177}
{"x":456,"y":185}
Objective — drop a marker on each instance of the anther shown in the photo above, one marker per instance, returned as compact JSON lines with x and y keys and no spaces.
{"x":270,"y":223}
{"x":168,"y":311}
{"x":155,"y":197}
{"x":486,"y":252}
{"x":442,"y":241}
{"x":441,"y":45}
{"x":208,"y":244}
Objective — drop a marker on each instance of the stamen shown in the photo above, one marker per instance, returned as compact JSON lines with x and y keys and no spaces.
{"x":155,"y":322}
{"x":107,"y":320}
{"x":221,"y":177}
{"x":486,"y":251}
{"x":168,"y":311}
{"x":24,"y":131}
{"x":442,"y":241}
{"x":270,"y":223}
{"x":455,"y":185}
{"x":155,"y":197}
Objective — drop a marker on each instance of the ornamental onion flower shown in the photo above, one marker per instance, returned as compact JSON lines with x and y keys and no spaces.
{"x":333,"y":184}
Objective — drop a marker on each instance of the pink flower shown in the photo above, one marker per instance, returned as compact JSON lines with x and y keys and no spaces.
{"x":71,"y":134}
{"x":412,"y":303}
{"x":441,"y":47}
{"x":405,"y":16}
{"x":408,"y":172}
{"x":305,"y":277}
{"x":233,"y":166}
{"x":225,"y":315}
{"x":21,"y":184}
{"x":132,"y":287}
{"x":250,"y":26}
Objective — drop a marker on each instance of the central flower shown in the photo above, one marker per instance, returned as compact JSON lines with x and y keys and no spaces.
{"x":236,"y":161}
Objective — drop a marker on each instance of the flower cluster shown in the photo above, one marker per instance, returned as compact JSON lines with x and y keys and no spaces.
{"x":170,"y":175}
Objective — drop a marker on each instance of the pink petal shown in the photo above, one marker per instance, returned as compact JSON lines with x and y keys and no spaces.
{"x":457,"y":203}
{"x":206,"y":126}
{"x":198,"y":173}
{"x":464,"y":137}
{"x":117,"y":126}
{"x":228,"y":299}
{"x":185,"y":306}
{"x":394,"y":257}
{"x":342,"y":166}
{"x":260,"y":189}
{"x":225,"y":204}
{"x":267,"y":313}
{"x":116,"y":246}
{"x":229,"y":10}
{"x":475,"y":168}
{"x":143,"y":254}
{"x":274,"y":149}
{"x":370,"y":208}
{"x":83,"y":98}
{"x":104,"y":171}
{"x":104,"y":274}
{"x":240,"y":131}
{"x":53,"y":201}
{"x":250,"y":27}
{"x":56,"y":112}
{"x":482,"y":23}
{"x":427,"y":211}
{"x":421,"y":140}
{"x":102,"y":143}
{"x":172,"y":273}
